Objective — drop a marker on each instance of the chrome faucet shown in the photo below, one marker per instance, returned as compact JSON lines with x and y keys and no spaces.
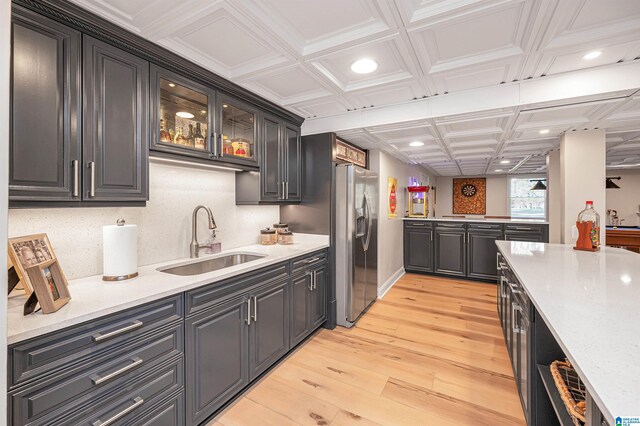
{"x":195,"y":247}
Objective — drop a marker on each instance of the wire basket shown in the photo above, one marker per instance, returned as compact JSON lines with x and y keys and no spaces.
{"x":572,"y":390}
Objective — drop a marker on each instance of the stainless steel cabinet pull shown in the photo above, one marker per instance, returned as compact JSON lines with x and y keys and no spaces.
{"x":248,"y":319}
{"x":137,"y":401}
{"x":315,"y":279}
{"x":416,"y":224}
{"x":101,"y":379}
{"x":92,"y":184}
{"x":522,"y":229}
{"x":310,"y":275}
{"x":515,"y":327}
{"x":214,"y":142}
{"x":76,"y":178}
{"x":99,"y":337}
{"x":430,"y":235}
{"x":283,"y":193}
{"x":484,"y":226}
{"x":313,"y":259}
{"x":286,"y":193}
{"x":255,"y":308}
{"x":514,"y":287}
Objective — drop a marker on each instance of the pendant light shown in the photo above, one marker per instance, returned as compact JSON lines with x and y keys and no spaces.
{"x":539,"y":186}
{"x":611,"y":184}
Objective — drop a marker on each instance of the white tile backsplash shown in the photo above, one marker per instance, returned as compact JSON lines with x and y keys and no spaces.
{"x":164,"y":225}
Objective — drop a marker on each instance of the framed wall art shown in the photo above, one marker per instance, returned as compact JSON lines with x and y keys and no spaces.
{"x":470,"y":196}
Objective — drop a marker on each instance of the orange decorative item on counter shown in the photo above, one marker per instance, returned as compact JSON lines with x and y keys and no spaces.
{"x":588,"y":225}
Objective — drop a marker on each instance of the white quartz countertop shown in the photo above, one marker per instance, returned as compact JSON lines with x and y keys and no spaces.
{"x":91,"y":297}
{"x":591,"y":304}
{"x":480,"y":219}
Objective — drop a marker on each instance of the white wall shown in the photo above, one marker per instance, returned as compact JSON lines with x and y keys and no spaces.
{"x":626,"y":199}
{"x":164,"y":224}
{"x":554,"y":196}
{"x":582,"y":178}
{"x":497,"y":196}
{"x":5,"y":27}
{"x":390,"y":246}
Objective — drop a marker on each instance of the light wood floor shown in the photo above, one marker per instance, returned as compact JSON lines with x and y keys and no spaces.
{"x":430,"y":352}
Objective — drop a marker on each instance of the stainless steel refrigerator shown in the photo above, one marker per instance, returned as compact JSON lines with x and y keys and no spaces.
{"x":356,"y":205}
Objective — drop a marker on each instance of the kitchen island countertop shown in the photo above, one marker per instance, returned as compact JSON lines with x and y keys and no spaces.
{"x":93,"y":298}
{"x":590,"y":302}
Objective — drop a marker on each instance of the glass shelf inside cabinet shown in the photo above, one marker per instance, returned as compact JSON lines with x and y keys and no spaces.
{"x":238,"y":135}
{"x":184,"y":116}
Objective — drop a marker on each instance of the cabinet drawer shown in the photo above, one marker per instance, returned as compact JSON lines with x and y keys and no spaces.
{"x":309,"y":261}
{"x":523,"y":227}
{"x":214,"y":294}
{"x":132,"y":399}
{"x":453,"y":225}
{"x":73,"y":346}
{"x":417,"y":224}
{"x":169,"y":412}
{"x":480,"y":226}
{"x":51,"y":397}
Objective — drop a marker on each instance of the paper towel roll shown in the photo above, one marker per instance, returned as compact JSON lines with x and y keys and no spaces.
{"x":120,"y":252}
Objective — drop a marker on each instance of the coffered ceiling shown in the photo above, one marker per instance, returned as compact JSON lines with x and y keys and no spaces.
{"x":298,"y":54}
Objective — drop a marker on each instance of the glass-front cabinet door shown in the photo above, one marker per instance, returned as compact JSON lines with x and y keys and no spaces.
{"x":182,"y":115}
{"x":238,"y":131}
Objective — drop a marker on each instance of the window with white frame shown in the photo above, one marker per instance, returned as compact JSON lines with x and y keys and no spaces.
{"x":525,"y":203}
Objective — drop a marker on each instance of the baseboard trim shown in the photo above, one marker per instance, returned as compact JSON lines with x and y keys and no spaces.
{"x":390,"y":282}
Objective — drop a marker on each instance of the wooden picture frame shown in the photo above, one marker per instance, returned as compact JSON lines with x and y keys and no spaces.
{"x":50,"y":285}
{"x":28,"y":251}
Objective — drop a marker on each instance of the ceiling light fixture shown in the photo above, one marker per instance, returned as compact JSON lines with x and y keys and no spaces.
{"x":592,"y":55}
{"x":416,"y":143}
{"x":184,"y":114}
{"x":505,"y":162}
{"x":172,"y":85}
{"x":539,"y":186}
{"x":610,"y":184}
{"x":497,"y":170}
{"x":544,"y":131}
{"x":225,"y":106}
{"x":364,"y":66}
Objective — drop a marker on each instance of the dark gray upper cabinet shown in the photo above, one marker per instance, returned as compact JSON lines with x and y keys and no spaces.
{"x":272,"y":188}
{"x":216,"y":357}
{"x":116,"y":117}
{"x":450,"y":253}
{"x":292,"y":167}
{"x":182,"y":116}
{"x":45,"y":132}
{"x":269,"y":331}
{"x":238,"y":133}
{"x":418,"y":246}
{"x":482,"y":252}
{"x":280,"y":178}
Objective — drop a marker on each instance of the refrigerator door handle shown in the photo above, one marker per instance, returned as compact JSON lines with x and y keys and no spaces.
{"x":367,"y":239}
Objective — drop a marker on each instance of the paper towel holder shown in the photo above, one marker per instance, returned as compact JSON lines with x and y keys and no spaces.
{"x":119,"y":222}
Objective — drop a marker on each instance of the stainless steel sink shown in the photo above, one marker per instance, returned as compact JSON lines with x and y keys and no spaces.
{"x":211,"y":264}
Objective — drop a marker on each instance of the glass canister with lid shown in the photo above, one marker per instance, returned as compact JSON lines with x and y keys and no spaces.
{"x":279,"y":227}
{"x":285,"y":237}
{"x":268,"y":237}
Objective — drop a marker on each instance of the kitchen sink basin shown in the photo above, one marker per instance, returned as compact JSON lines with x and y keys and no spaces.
{"x":211,"y":264}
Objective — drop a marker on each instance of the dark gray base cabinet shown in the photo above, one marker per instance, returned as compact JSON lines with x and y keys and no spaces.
{"x":450,"y":250}
{"x":308,"y":302}
{"x":462,"y":249}
{"x":418,"y":247}
{"x":217,"y":357}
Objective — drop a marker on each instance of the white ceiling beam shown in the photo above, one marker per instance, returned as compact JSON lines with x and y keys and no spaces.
{"x":615,"y":80}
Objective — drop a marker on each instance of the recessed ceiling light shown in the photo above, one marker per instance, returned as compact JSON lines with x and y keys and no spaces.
{"x":544,"y":131}
{"x":416,"y":143}
{"x":172,"y":85}
{"x":184,"y":114}
{"x":592,"y":55}
{"x":225,"y":106}
{"x":203,"y":112}
{"x":364,"y":66}
{"x":497,"y":170}
{"x":505,"y":162}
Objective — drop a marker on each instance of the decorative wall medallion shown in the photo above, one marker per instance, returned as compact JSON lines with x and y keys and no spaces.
{"x":470,"y":196}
